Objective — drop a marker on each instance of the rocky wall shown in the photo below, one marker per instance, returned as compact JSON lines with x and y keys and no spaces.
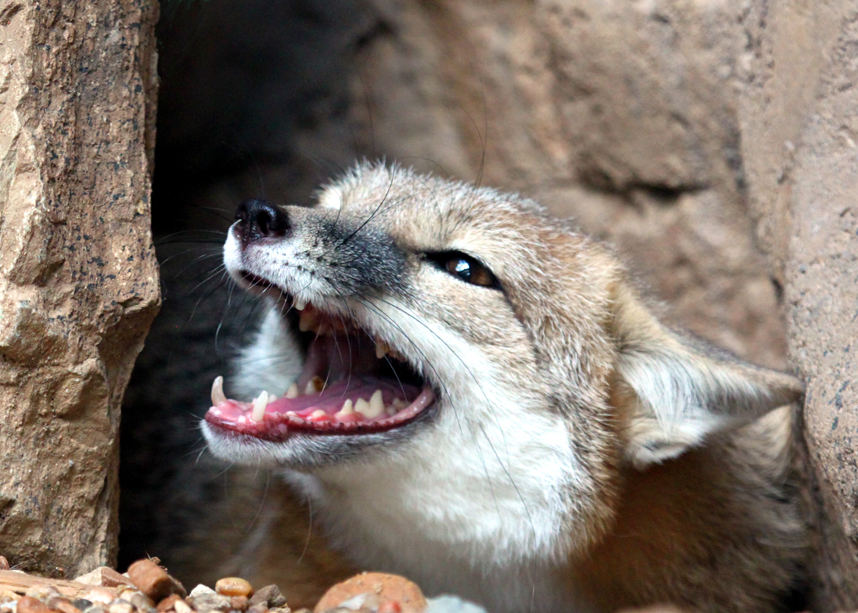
{"x":78,"y":278}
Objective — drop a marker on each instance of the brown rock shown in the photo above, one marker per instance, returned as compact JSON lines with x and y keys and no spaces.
{"x":382,"y":588}
{"x":28,"y":604}
{"x":78,"y":278}
{"x":269,"y":595}
{"x":234,"y":586}
{"x":168,"y":603}
{"x":64,"y":605}
{"x":104,"y":576}
{"x":153,"y":580}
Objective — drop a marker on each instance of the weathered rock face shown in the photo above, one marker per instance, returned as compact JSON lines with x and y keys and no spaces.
{"x":800,"y":134}
{"x":711,"y":141}
{"x":78,"y":279}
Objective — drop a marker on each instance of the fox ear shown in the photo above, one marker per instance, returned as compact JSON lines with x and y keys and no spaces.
{"x":672,"y":392}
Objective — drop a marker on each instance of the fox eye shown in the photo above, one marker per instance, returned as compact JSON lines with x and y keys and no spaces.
{"x":468,"y":269}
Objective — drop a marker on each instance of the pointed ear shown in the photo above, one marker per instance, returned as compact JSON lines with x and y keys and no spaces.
{"x":673,"y":391}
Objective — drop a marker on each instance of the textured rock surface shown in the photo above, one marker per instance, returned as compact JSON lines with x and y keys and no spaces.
{"x":78,"y":280}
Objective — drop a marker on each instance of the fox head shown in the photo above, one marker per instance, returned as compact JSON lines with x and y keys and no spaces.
{"x":430,"y":336}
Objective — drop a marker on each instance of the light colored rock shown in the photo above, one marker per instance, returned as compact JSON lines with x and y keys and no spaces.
{"x":78,"y":280}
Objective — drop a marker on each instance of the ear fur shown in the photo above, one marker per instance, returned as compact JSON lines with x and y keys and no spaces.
{"x":672,"y":392}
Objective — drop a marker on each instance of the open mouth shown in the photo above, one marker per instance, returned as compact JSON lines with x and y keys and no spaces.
{"x":351,"y":383}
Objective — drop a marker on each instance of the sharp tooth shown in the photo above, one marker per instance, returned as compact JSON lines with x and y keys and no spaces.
{"x":292,"y":392}
{"x":318,"y":413}
{"x":375,"y":406}
{"x":218,"y":396}
{"x":381,"y":348}
{"x":390,"y":411}
{"x":399,"y":404}
{"x":314,"y":385}
{"x":300,"y":304}
{"x":259,"y":405}
{"x":348,"y":408}
{"x":362,"y":407}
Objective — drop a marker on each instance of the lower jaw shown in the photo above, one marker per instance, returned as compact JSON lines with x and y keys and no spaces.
{"x":233,"y":418}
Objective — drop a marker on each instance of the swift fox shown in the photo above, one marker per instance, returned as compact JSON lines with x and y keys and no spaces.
{"x":473,"y":394}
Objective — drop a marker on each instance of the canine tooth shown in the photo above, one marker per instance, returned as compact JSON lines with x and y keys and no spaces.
{"x":399,"y":404}
{"x":218,"y":396}
{"x":390,"y":411}
{"x":381,"y":349}
{"x":259,"y":405}
{"x":362,"y":406}
{"x":348,"y":408}
{"x":300,"y":304}
{"x":314,"y":385}
{"x":292,"y":392}
{"x":318,"y":413}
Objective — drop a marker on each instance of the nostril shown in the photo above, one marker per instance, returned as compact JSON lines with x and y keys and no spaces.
{"x":260,"y":219}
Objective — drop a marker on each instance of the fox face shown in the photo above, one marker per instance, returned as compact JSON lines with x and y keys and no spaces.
{"x":464,"y":385}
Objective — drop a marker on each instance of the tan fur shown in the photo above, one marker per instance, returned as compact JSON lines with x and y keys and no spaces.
{"x":682,"y":486}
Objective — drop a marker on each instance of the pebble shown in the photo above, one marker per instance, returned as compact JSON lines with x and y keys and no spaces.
{"x":233,"y":586}
{"x":28,"y":604}
{"x":153,"y":580}
{"x":120,"y":606}
{"x":270,"y":596}
{"x":181,"y":607}
{"x":210,"y":602}
{"x":63,"y":605}
{"x":379,"y":588}
{"x":167,"y":603}
{"x":82,"y":603}
{"x":43,"y":592}
{"x":201,"y":590}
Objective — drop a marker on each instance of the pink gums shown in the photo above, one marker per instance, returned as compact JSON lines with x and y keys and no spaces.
{"x":288,"y":415}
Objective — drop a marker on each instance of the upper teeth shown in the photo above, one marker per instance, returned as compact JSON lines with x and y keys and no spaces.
{"x":300,"y":304}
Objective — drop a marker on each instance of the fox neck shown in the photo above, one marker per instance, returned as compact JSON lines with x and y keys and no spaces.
{"x":483,"y":513}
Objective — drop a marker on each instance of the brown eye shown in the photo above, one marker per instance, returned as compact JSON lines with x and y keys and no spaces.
{"x":466,"y":268}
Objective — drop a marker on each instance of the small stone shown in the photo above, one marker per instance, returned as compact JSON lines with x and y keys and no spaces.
{"x":4,"y":563}
{"x":82,"y":603}
{"x":238,"y":602}
{"x":182,"y":607}
{"x":64,"y":605}
{"x":387,"y":588}
{"x":120,"y":606}
{"x":96,"y":609}
{"x":167,"y":603}
{"x":269,"y":595}
{"x":103,"y":576}
{"x":99,"y":595}
{"x":258,"y":608}
{"x":141,"y":601}
{"x":233,"y":586}
{"x":28,"y":604}
{"x":287,"y":610}
{"x":201,"y":590}
{"x":210,"y":602}
{"x":43,"y":592}
{"x":153,"y":580}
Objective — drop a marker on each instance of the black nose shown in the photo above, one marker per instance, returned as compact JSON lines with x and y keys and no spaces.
{"x":259,"y":219}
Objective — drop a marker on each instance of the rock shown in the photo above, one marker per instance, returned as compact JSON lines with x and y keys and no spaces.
{"x":201,"y":590}
{"x":234,"y":586}
{"x":269,"y":595}
{"x":168,"y":603}
{"x":371,"y":591}
{"x":103,"y":576}
{"x":28,"y":604}
{"x":211,"y":602}
{"x":78,"y":278}
{"x":153,"y":580}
